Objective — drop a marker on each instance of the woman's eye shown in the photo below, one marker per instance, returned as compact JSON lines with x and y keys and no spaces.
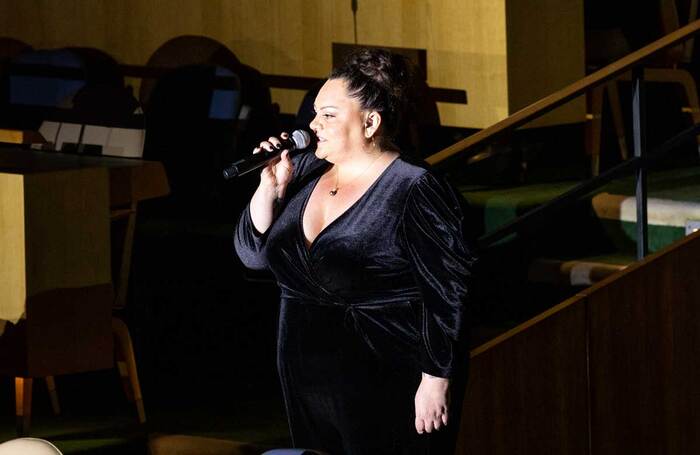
{"x":327,"y":115}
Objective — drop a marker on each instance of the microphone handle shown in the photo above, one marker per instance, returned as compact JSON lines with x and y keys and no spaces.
{"x":253,"y":162}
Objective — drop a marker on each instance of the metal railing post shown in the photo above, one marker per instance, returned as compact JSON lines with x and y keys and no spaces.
{"x":639,"y":140}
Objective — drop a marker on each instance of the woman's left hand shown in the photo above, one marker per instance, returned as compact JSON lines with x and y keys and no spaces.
{"x":431,"y":403}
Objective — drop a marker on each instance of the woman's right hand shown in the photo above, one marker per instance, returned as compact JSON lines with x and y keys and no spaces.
{"x":278,"y":173}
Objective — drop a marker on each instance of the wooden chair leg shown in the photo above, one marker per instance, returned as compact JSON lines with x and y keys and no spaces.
{"x":123,"y":341}
{"x":123,"y":372}
{"x":685,"y":79}
{"x":691,"y":96}
{"x":618,"y":119}
{"x":593,"y":127}
{"x":23,"y":404}
{"x":53,"y":396}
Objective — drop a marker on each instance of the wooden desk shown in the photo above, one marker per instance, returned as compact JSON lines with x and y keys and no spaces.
{"x":55,"y":266}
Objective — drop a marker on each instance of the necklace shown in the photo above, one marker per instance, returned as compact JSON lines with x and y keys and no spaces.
{"x":336,"y":188}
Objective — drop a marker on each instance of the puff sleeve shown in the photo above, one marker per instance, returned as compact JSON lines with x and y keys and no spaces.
{"x":442,"y":265}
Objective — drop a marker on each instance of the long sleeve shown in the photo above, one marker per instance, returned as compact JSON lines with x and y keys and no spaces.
{"x":249,"y":243}
{"x":442,"y":264}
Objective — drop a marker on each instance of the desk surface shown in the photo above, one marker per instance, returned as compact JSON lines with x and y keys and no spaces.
{"x":130,"y":179}
{"x":18,"y":160}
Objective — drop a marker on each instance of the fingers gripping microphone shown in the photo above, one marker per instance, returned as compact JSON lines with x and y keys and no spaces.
{"x":299,"y":139}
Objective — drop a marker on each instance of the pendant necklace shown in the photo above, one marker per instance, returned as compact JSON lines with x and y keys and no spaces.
{"x":336,"y":188}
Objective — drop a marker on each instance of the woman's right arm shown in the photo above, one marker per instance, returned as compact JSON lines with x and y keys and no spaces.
{"x":258,"y":216}
{"x":273,"y":183}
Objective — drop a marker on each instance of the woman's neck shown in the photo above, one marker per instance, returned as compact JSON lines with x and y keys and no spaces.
{"x":374,"y":156}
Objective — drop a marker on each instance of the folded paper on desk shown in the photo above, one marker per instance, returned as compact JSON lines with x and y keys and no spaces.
{"x":124,"y":142}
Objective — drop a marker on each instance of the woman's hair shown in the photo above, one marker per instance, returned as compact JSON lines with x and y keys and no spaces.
{"x":380,"y":81}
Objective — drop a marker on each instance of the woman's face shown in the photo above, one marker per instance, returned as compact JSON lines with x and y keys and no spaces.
{"x":339,"y":122}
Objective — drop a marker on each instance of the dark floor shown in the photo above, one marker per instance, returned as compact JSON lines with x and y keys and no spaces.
{"x":97,"y":419}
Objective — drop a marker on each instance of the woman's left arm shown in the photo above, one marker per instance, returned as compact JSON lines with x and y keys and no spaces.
{"x":442,"y":264}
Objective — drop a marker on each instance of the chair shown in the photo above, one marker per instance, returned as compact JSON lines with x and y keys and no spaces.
{"x":50,"y":83}
{"x":191,"y":121}
{"x":56,"y":91}
{"x":39,"y":81}
{"x":123,"y":222}
{"x":667,"y":67}
{"x":258,"y":116}
{"x":9,"y":49}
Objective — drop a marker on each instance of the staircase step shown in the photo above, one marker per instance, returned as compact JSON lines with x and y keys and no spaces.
{"x":576,"y":272}
{"x":669,"y":220}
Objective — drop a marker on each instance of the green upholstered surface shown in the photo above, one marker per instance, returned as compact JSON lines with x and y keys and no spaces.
{"x":624,"y":235}
{"x":503,"y":205}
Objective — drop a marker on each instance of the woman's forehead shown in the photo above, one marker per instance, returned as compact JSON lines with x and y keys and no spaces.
{"x":333,"y":94}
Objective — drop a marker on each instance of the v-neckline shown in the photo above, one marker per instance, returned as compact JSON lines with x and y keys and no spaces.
{"x":369,"y":189}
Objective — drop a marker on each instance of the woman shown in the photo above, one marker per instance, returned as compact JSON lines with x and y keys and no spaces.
{"x":367,"y":250}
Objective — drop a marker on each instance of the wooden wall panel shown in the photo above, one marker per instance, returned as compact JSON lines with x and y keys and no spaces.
{"x":550,"y":59}
{"x":67,"y":229}
{"x":613,"y":370}
{"x":467,"y":41}
{"x":527,"y":392}
{"x":685,"y":394}
{"x":645,"y":392}
{"x":12,"y":265}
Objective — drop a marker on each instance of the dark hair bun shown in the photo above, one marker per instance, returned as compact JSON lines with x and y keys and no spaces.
{"x":380,"y":80}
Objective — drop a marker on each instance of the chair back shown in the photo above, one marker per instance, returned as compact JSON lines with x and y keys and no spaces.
{"x":671,"y":18}
{"x":11,"y":47}
{"x":77,"y":85}
{"x":184,"y":51}
{"x":257,"y":117}
{"x":191,"y":119}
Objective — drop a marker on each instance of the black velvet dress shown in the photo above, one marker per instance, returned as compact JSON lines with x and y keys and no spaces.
{"x":375,"y":300}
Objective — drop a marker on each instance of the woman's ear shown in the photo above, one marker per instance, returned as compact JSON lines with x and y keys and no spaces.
{"x":372,"y":122}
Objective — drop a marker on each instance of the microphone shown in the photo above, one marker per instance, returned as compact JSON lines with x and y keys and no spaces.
{"x":299,"y":139}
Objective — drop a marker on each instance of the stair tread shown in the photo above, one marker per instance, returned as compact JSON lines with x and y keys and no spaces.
{"x":577,"y":271}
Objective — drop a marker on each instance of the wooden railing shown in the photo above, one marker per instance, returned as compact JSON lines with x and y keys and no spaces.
{"x":556,"y":99}
{"x":612,"y":370}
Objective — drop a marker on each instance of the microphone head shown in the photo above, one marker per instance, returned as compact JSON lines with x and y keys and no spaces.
{"x":301,"y":138}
